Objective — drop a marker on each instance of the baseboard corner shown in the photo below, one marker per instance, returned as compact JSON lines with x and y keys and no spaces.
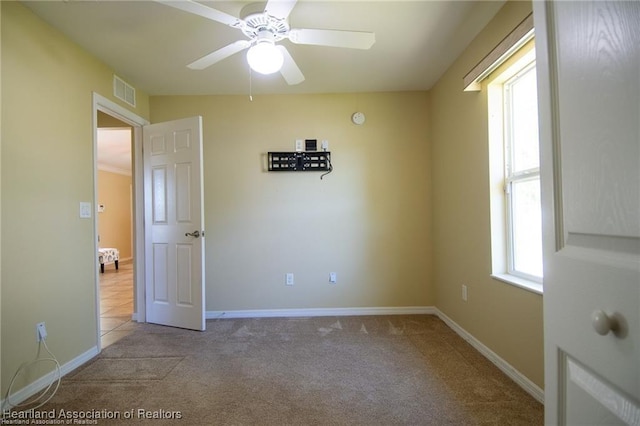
{"x":520,"y":379}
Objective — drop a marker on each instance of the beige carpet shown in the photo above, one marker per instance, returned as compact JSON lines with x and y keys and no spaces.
{"x":377,"y":370}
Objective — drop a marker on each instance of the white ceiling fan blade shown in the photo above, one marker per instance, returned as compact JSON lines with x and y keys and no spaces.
{"x":290,"y":71}
{"x":280,"y":8}
{"x":333,"y":38}
{"x":220,"y":54}
{"x":202,"y":10}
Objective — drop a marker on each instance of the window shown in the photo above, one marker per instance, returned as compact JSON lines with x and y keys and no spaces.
{"x":516,"y":224}
{"x":522,"y":175}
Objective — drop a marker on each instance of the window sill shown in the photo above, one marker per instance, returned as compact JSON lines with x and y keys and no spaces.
{"x":528,"y":285}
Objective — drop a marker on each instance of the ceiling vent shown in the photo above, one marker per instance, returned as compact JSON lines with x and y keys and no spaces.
{"x":124,"y":91}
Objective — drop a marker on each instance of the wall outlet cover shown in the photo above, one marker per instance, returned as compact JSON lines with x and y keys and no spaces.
{"x":85,"y":210}
{"x":41,"y":331}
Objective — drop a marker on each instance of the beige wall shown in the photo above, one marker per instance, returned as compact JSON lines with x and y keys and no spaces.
{"x":114,"y":224}
{"x":368,"y":220}
{"x":48,"y":257}
{"x":506,"y":319}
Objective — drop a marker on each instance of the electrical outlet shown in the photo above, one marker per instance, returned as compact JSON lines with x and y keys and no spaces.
{"x":325,"y":145}
{"x":464,"y":292}
{"x":299,"y":145}
{"x":333,"y":277}
{"x":41,"y":331}
{"x":289,"y":279}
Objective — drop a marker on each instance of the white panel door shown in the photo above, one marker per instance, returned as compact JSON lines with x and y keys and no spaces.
{"x":174,"y":229}
{"x":588,"y":59}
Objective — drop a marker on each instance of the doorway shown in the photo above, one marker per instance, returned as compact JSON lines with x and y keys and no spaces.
{"x":115,"y":227}
{"x":124,"y":286}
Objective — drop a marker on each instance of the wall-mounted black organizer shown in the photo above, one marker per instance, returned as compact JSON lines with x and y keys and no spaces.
{"x":299,"y":161}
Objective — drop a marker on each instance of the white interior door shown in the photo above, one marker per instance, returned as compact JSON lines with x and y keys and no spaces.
{"x":588,"y":59}
{"x":174,"y":240}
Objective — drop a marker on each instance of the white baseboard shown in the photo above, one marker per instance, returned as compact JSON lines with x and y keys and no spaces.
{"x":320,"y":312}
{"x":526,"y":384}
{"x":40,"y":384}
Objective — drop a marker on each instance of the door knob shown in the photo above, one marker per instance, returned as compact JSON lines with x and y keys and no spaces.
{"x":195,"y":233}
{"x":603,"y":323}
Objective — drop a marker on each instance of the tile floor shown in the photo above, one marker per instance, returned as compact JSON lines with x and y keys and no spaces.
{"x":116,"y":302}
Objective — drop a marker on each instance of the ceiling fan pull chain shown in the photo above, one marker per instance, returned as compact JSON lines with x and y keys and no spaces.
{"x":250,"y":97}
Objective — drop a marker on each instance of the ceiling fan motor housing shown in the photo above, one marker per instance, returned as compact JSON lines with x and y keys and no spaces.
{"x":259,"y":26}
{"x":265,"y":35}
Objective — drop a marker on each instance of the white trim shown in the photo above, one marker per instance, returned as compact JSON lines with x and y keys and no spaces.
{"x":523,"y":283}
{"x":113,"y":109}
{"x":526,"y":384}
{"x":38,"y":385}
{"x":320,"y":312}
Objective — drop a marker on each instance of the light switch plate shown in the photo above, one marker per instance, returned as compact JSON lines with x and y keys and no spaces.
{"x":85,"y":210}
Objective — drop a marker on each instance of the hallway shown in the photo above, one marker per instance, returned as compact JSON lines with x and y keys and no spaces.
{"x":116,"y":302}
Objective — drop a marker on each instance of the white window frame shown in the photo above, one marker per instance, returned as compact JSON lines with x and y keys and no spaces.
{"x":501,"y":179}
{"x":514,"y":177}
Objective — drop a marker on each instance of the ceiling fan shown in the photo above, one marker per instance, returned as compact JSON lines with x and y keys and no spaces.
{"x":264,"y":27}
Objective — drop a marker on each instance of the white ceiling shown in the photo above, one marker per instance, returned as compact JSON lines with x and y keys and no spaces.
{"x":114,"y":150}
{"x":149,"y":44}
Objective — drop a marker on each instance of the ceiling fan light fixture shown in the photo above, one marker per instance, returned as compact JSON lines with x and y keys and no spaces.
{"x":264,"y":57}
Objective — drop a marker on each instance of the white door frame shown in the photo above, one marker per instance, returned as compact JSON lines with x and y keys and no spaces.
{"x":100,"y":103}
